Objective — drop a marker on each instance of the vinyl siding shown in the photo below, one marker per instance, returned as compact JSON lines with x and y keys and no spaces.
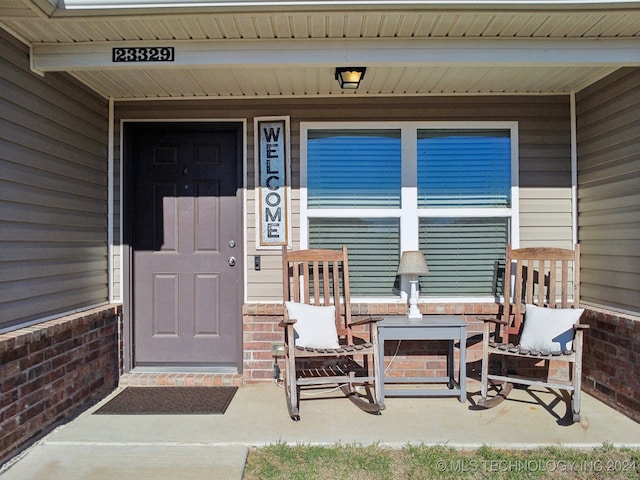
{"x":544,"y":134}
{"x":545,"y":217}
{"x":608,"y":119}
{"x":53,"y":192}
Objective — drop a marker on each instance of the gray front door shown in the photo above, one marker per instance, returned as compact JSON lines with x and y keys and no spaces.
{"x":186,"y":227}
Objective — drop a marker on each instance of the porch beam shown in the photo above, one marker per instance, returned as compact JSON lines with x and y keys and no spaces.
{"x":343,"y":52}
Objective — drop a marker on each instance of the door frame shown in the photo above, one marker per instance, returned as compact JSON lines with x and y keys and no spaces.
{"x":127,"y":357}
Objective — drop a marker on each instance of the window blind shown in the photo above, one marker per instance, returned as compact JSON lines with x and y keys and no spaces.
{"x":464,"y":255}
{"x":374,"y":250}
{"x":464,"y":168}
{"x":353,"y":169}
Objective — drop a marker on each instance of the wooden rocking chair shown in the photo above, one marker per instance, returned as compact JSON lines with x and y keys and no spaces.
{"x":320,"y":346}
{"x":542,"y":277}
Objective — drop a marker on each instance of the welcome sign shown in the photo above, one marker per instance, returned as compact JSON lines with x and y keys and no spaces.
{"x":273,"y":176}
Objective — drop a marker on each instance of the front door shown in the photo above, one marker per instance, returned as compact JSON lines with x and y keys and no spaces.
{"x":186,"y":255}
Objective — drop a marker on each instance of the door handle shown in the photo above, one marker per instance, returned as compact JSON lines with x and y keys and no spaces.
{"x":232,"y":261}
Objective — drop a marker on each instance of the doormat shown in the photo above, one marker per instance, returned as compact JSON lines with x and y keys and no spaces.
{"x":169,"y":401}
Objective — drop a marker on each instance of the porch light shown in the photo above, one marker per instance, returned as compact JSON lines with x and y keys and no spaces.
{"x":350,"y":77}
{"x":413,"y":264}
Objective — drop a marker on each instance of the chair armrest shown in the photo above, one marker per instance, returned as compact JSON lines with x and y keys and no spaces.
{"x":581,"y":326}
{"x":495,"y":320}
{"x":286,"y":322}
{"x":366,"y":320}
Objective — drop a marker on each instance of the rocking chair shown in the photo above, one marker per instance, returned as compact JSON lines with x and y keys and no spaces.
{"x":320,"y":345}
{"x":536,"y":323}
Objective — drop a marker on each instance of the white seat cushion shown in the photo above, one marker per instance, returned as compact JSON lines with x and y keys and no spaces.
{"x":315,"y":326}
{"x":549,"y":329}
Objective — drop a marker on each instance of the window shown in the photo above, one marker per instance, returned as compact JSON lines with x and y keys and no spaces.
{"x":337,"y":156}
{"x":448,"y":190}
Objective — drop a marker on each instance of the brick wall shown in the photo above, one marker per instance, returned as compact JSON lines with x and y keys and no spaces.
{"x":611,"y":362}
{"x":261,"y":331}
{"x":51,"y":371}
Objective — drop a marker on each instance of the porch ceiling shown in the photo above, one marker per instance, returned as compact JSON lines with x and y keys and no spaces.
{"x":270,"y":50}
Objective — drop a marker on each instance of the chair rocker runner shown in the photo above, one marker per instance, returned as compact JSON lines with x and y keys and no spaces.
{"x":320,"y":345}
{"x":536,"y":323}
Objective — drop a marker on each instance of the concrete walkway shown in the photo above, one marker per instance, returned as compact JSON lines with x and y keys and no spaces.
{"x":198,"y":447}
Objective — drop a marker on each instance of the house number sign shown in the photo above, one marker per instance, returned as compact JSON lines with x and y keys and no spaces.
{"x":143,"y":54}
{"x":273,"y":178}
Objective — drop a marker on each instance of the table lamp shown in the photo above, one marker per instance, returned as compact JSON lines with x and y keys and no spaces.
{"x":413,"y":264}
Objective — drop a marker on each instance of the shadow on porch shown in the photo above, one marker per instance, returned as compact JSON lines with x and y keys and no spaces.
{"x":215,"y":446}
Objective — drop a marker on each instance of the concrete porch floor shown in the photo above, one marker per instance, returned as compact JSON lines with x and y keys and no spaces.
{"x":106,"y":447}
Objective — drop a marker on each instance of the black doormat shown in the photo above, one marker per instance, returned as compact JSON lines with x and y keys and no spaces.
{"x":169,"y":401}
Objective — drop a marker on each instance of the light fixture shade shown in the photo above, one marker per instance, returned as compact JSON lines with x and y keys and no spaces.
{"x":350,"y":77}
{"x":413,"y":263}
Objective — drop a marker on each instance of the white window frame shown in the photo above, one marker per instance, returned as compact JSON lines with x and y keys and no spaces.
{"x":409,"y":211}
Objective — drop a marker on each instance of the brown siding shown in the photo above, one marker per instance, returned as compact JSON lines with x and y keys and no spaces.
{"x":544,"y":133}
{"x":608,"y":120}
{"x":53,"y":192}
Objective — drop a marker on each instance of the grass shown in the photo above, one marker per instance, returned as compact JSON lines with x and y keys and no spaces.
{"x":420,"y":462}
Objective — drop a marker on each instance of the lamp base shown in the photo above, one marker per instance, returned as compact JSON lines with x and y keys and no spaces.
{"x":414,"y":312}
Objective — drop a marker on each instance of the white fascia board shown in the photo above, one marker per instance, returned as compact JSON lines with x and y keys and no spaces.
{"x":347,"y":52}
{"x":123,"y":4}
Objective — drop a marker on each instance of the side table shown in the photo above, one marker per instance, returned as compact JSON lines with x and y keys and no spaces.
{"x":430,"y":327}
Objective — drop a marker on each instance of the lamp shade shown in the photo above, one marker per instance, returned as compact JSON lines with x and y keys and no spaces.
{"x":413,"y":263}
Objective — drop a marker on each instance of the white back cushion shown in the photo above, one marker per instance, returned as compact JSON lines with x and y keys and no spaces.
{"x":549,"y":329}
{"x":315,"y":326}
